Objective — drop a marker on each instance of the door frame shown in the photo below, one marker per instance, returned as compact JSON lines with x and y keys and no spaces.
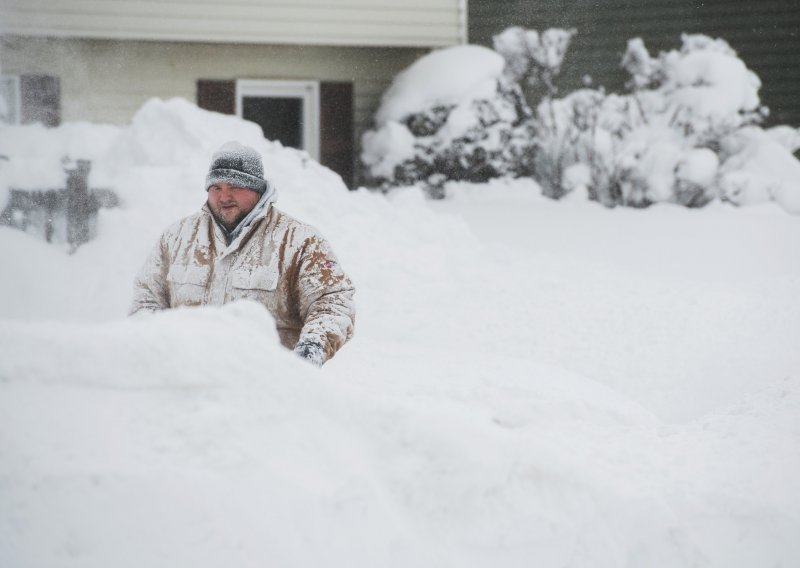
{"x":11,"y":88}
{"x":307,"y":91}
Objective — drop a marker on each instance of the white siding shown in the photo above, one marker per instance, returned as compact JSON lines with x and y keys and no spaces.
{"x":108,"y":80}
{"x":423,"y":23}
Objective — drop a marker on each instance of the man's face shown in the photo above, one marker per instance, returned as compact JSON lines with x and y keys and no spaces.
{"x":230,"y":204}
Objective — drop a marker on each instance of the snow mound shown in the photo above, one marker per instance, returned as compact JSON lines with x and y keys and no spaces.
{"x":150,"y":351}
{"x":223,"y":448}
{"x":175,"y":139}
{"x":531,"y":382}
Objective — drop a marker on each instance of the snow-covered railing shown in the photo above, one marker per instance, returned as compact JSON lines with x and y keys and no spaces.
{"x":65,"y":215}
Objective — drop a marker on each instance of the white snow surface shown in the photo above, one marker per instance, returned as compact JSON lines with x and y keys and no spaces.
{"x":761,"y":168}
{"x":387,"y":147}
{"x":532,"y":383}
{"x":443,"y":77}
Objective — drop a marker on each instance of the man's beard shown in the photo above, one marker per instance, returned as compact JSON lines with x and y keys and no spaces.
{"x":221,"y":221}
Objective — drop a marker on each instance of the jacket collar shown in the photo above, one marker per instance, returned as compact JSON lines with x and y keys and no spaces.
{"x":233,"y":238}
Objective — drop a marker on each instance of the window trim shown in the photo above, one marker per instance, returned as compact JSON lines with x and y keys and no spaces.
{"x":307,"y":91}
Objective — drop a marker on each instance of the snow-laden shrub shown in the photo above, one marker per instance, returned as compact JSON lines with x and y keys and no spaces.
{"x":631,"y":153}
{"x":677,"y":136}
{"x":452,"y":115}
{"x":685,"y":131}
{"x":533,"y":59}
{"x":759,"y":168}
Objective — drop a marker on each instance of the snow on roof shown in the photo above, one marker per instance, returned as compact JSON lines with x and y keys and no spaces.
{"x":443,"y":77}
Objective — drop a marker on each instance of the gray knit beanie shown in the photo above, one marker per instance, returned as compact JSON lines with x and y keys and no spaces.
{"x":238,"y":165}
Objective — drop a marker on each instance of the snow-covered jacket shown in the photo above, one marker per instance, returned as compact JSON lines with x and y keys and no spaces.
{"x":277,"y":261}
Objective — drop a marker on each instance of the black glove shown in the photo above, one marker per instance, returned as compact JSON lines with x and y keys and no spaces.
{"x":311,"y":350}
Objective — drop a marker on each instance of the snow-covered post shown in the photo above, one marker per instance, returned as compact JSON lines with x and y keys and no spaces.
{"x":80,"y":203}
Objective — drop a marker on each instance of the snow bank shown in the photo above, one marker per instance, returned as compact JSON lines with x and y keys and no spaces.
{"x":222,"y":447}
{"x":531,"y":382}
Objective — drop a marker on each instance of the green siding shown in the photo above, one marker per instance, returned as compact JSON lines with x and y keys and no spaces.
{"x":765,"y":34}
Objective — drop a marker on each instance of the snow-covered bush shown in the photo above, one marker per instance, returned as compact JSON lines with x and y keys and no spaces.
{"x":532,"y":58}
{"x":678,"y":136}
{"x":629,"y":153}
{"x":685,"y":131}
{"x":452,"y":115}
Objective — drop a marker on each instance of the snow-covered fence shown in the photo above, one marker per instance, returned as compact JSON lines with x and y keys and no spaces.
{"x":59,"y":215}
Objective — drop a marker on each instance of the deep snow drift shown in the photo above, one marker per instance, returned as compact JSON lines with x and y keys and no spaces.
{"x":531,"y":382}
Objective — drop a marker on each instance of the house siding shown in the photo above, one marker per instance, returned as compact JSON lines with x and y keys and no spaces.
{"x":426,"y":23}
{"x":108,"y":80}
{"x":765,"y":34}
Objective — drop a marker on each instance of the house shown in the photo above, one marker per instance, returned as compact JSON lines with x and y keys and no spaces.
{"x":310,"y":73}
{"x":765,"y":34}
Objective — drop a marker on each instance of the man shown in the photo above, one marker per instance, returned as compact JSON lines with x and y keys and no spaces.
{"x":240,"y":246}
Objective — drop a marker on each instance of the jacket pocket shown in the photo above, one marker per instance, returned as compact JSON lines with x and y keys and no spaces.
{"x":188,"y":284}
{"x":259,"y":278}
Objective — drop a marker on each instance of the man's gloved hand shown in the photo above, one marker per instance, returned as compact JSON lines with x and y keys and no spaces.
{"x":311,"y":350}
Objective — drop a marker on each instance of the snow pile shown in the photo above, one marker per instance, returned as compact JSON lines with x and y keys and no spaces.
{"x":157,"y":166}
{"x":531,"y":381}
{"x":221,"y":447}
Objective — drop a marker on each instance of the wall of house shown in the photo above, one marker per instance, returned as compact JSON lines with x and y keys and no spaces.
{"x":314,"y":22}
{"x":765,"y":34}
{"x":108,"y":80}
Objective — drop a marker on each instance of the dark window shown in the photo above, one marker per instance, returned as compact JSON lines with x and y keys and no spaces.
{"x":41,"y":99}
{"x":281,"y":118}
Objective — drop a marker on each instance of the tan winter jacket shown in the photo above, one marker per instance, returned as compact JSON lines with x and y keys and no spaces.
{"x":277,"y":261}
